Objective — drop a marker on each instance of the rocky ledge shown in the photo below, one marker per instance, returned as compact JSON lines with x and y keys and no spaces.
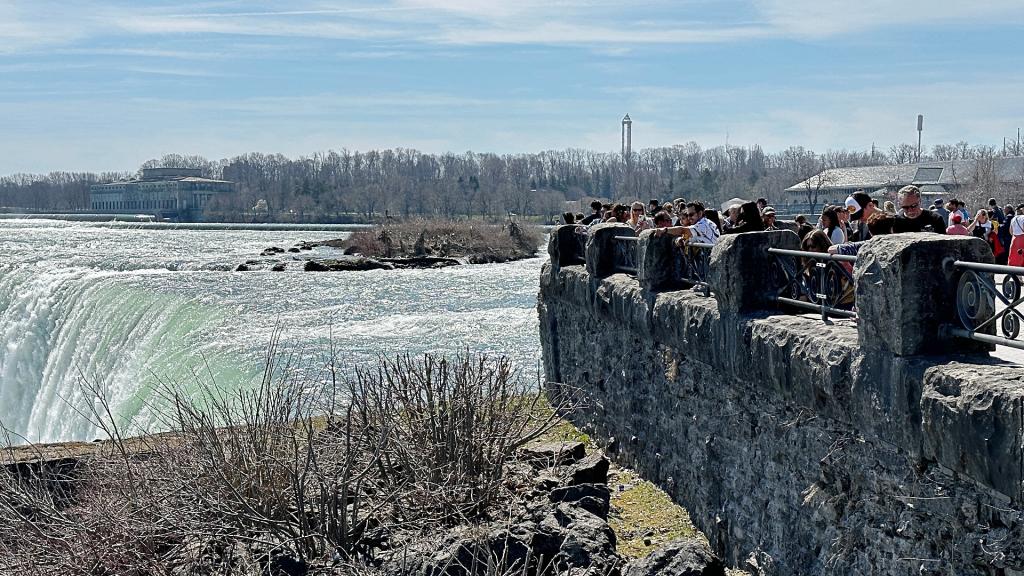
{"x":559,"y":527}
{"x":559,"y":524}
{"x":426,"y":244}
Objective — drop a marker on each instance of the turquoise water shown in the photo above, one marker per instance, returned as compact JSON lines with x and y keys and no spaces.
{"x":85,"y":307}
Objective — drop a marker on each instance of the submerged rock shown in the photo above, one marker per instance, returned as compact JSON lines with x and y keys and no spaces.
{"x":346,"y":263}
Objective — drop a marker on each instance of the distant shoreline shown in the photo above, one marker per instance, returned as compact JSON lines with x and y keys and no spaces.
{"x":133,"y":223}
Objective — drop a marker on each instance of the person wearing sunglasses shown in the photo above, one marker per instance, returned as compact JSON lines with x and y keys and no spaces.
{"x":637,"y":219}
{"x":700,"y":230}
{"x":912,"y":215}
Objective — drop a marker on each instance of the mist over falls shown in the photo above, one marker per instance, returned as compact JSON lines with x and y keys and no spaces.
{"x":125,"y":309}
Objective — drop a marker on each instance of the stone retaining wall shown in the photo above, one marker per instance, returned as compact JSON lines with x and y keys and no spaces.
{"x":801,"y":447}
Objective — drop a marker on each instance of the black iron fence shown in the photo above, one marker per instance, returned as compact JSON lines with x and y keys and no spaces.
{"x":814,"y":281}
{"x":984,"y":304}
{"x":625,"y":256}
{"x":693,"y":265}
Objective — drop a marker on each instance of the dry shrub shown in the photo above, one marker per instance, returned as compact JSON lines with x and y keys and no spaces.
{"x":286,"y":471}
{"x":447,"y":238}
{"x":446,"y":428}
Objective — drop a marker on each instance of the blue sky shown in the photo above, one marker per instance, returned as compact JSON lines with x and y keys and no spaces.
{"x":107,"y":85}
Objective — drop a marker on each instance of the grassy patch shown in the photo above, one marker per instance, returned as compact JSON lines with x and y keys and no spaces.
{"x":640,"y":511}
{"x":643,"y":512}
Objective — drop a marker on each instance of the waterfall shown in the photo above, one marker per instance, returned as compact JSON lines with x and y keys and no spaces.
{"x":63,"y":327}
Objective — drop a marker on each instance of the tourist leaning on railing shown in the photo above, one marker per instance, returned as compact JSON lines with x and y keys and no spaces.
{"x":662,"y":219}
{"x":702,"y":230}
{"x":818,"y":241}
{"x":878,"y":224}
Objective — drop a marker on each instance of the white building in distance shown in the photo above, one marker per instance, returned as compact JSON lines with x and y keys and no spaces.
{"x":175,"y":193}
{"x":971,"y":180}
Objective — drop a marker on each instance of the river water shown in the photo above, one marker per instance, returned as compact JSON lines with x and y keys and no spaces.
{"x":128,"y":307}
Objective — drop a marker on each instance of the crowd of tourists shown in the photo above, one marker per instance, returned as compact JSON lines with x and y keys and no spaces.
{"x":691,"y":221}
{"x":1001,"y":227}
{"x":838,"y":229}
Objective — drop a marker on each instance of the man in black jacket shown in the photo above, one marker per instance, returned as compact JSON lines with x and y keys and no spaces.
{"x":595,"y":213}
{"x":913,"y":217}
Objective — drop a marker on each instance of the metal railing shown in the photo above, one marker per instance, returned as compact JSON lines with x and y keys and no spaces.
{"x":693,"y":265}
{"x":976,"y":303}
{"x":815,"y":281}
{"x":625,"y":254}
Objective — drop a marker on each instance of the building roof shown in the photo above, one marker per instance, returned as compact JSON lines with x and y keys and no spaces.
{"x":174,"y":179}
{"x":934,"y":174}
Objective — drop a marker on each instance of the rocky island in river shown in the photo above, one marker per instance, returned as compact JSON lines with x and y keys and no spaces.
{"x":412,"y":244}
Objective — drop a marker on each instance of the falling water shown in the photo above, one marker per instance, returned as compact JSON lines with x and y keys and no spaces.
{"x":85,"y":307}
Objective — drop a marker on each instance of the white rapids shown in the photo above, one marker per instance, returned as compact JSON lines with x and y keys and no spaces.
{"x":126,"y":308}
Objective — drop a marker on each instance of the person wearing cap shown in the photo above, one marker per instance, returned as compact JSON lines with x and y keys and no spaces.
{"x":941,"y":211}
{"x":913,"y":217}
{"x":956,"y":227}
{"x":860,"y":206}
{"x":768,"y":218}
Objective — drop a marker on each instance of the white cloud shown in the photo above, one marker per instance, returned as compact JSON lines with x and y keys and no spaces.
{"x":828,"y":18}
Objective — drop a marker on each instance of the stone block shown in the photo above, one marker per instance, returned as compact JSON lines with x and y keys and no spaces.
{"x":600,"y":248}
{"x":566,"y":246}
{"x":740,"y":265}
{"x":907,"y":290}
{"x":972,"y":418}
{"x":656,"y":261}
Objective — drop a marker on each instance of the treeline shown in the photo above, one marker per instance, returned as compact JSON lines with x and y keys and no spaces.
{"x":402,"y":182}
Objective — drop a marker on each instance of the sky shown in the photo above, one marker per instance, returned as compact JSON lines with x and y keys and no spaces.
{"x":105,"y":86}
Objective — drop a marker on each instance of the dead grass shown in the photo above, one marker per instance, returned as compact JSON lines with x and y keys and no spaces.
{"x":640,"y":511}
{"x":643,"y":516}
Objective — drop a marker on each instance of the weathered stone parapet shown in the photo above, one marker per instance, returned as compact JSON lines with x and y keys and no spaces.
{"x":906,"y":291}
{"x":740,"y":265}
{"x":600,"y":248}
{"x":973,"y":415}
{"x":788,"y":440}
{"x":656,"y":261}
